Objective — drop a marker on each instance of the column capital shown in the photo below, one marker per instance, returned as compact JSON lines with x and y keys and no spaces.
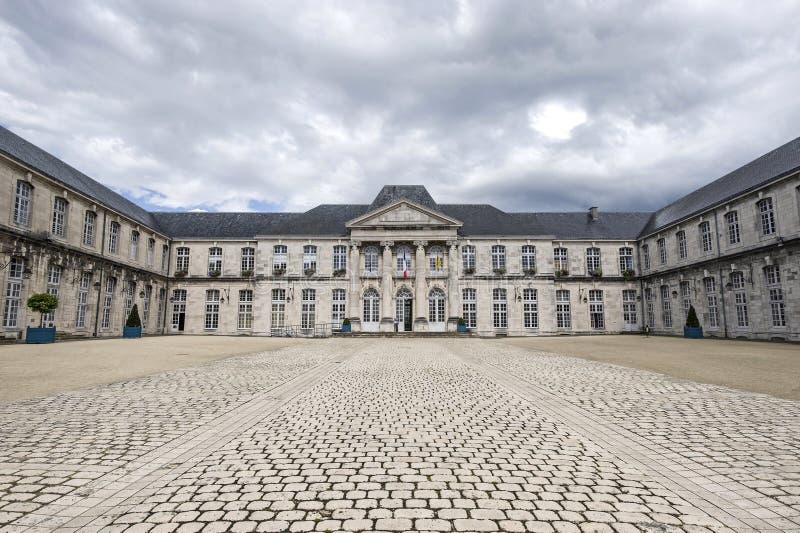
{"x":452,"y":244}
{"x":355,"y":244}
{"x":420,"y":244}
{"x":387,"y":244}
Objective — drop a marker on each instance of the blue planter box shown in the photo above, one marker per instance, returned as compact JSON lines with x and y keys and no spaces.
{"x":461,"y":328}
{"x":346,"y":328}
{"x":40,"y":335}
{"x":131,"y":333}
{"x":692,"y":333}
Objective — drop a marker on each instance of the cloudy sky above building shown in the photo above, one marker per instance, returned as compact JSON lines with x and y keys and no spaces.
{"x":282,"y":106}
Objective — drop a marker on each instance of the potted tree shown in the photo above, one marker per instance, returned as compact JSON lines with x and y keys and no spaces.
{"x":42,"y":303}
{"x":461,"y":327}
{"x":133,"y":326}
{"x":346,"y":325}
{"x":692,"y":329}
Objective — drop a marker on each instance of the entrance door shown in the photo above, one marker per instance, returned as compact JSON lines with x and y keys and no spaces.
{"x":403,"y":309}
{"x":436,"y":310}
{"x":178,"y":309}
{"x":629,"y":318}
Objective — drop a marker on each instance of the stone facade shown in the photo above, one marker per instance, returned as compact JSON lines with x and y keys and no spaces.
{"x":401,"y":264}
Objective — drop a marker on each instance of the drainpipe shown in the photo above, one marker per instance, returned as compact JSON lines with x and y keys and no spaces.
{"x":100,"y":290}
{"x":166,"y":289}
{"x":721,"y":284}
{"x":641,"y":287}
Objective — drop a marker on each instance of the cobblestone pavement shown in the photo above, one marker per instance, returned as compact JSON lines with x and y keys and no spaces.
{"x":401,"y":435}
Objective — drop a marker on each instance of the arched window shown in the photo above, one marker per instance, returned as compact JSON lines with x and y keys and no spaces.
{"x":372,"y":306}
{"x":371,"y":255}
{"x":404,"y":261}
{"x":436,"y":258}
{"x":436,"y":301}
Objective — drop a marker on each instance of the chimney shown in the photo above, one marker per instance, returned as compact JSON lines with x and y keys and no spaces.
{"x":592,"y":214}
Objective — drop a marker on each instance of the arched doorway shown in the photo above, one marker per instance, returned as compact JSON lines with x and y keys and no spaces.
{"x":372,"y":311}
{"x":404,"y":309}
{"x":436,"y":310}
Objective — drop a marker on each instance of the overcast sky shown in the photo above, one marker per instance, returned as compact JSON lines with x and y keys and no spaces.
{"x":530,"y":106}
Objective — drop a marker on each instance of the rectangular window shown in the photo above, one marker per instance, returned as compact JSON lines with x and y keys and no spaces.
{"x":767,"y":214}
{"x":711,"y":297}
{"x":159,"y":320}
{"x":148,"y":294}
{"x":22,"y":203}
{"x":13,"y":292}
{"x":686,"y":296}
{"x":436,"y":259}
{"x":625,"y":260}
{"x":593,"y":261}
{"x":164,"y":257}
{"x":53,"y":283}
{"x":666,"y":307}
{"x":646,"y":256}
{"x":182,"y":260}
{"x":214,"y":261}
{"x":662,"y":251}
{"x":308,"y":310}
{"x":468,"y":259}
{"x":371,"y":255}
{"x":499,"y":308}
{"x":339,"y":258}
{"x":212,"y":309}
{"x":337,"y":307}
{"x":629,"y":306}
{"x":309,"y":259}
{"x":740,"y":299}
{"x":58,"y":227}
{"x":772,"y":274}
{"x":705,"y":237}
{"x":498,"y":258}
{"x":83,"y":299}
{"x":732,"y":222}
{"x":133,"y":253}
{"x":113,"y":238}
{"x":650,"y":308}
{"x":563,"y":311}
{"x":245,"y":309}
{"x":530,"y":308}
{"x":108,"y":303}
{"x":279,"y":252}
{"x":278,"y":317}
{"x":469,"y":307}
{"x":151,"y":252}
{"x":596,"y":312}
{"x":529,"y":259}
{"x":248,"y":261}
{"x":560,"y":263}
{"x":89,"y":220}
{"x":130,"y":293}
{"x":681,"y":237}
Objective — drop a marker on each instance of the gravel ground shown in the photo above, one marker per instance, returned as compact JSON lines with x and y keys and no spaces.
{"x":766,"y":367}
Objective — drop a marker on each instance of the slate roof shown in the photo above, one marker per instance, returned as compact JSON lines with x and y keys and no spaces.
{"x":414,"y":193}
{"x":34,"y":157}
{"x":776,"y":164}
{"x":610,"y":225}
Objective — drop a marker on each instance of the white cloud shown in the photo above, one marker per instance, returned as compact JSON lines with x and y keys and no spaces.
{"x":555,"y":120}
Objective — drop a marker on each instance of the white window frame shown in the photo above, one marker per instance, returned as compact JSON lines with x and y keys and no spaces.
{"x":625,"y":259}
{"x":248,"y":263}
{"x":662,"y":250}
{"x":371,"y":306}
{"x":211,"y":322}
{"x":706,"y":243}
{"x":469,"y":307}
{"x":280,"y":253}
{"x":468,"y":258}
{"x":133,"y":251}
{"x":436,"y":259}
{"x":436,"y":305}
{"x":682,"y":250}
{"x":15,"y":272}
{"x":766,"y":213}
{"x":278,"y":311}
{"x":597,"y":319}
{"x":732,"y":223}
{"x":108,"y":303}
{"x":498,"y":257}
{"x":500,"y":308}
{"x":528,"y":258}
{"x":150,"y":252}
{"x":530,"y":308}
{"x":309,"y":257}
{"x":82,"y":301}
{"x":58,"y":227}
{"x":339,"y":258}
{"x":560,"y":259}
{"x":182,"y":259}
{"x":371,"y":260}
{"x":338,"y":302}
{"x":53,"y":288}
{"x":22,"y":203}
{"x":215,"y":260}
{"x":710,"y":285}
{"x":308,"y":309}
{"x":593,"y":261}
{"x":245,"y":317}
{"x":113,"y":237}
{"x":666,"y":307}
{"x":89,"y":223}
{"x":563,"y":309}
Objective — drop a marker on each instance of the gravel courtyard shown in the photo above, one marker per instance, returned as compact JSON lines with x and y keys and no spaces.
{"x":401,"y":435}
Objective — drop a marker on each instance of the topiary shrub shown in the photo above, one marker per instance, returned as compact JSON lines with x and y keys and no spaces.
{"x":691,"y":318}
{"x":133,"y":318}
{"x":42,"y":303}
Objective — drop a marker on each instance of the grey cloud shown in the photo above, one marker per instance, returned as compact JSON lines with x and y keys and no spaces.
{"x":217,"y":106}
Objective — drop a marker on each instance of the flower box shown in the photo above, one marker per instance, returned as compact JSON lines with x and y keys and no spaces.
{"x":131,"y":332}
{"x":40,"y":335}
{"x":693,"y":333}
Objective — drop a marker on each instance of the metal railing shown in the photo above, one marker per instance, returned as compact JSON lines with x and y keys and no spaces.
{"x":319,"y":329}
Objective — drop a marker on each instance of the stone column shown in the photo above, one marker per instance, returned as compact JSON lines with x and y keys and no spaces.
{"x":453,"y":296}
{"x":387,"y":316}
{"x":421,"y":288}
{"x":355,"y":286}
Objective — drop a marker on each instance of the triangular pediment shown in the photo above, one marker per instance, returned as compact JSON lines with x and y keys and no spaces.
{"x":403,"y":213}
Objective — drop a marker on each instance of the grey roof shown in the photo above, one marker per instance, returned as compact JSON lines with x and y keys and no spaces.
{"x":414,"y":193}
{"x":773,"y":165}
{"x":32,"y":156}
{"x":624,"y":226}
